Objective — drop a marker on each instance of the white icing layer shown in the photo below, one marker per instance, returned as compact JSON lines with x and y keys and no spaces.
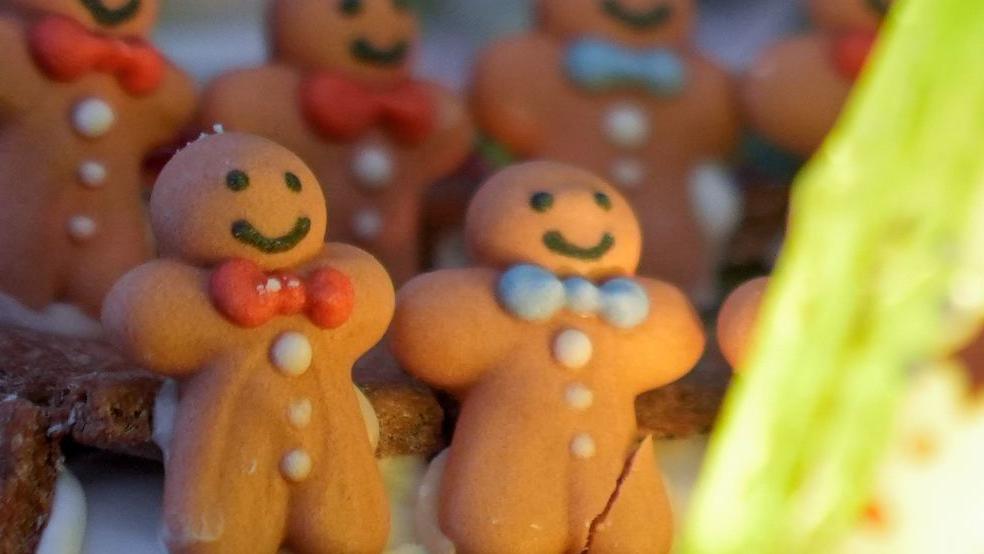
{"x":165,"y":410}
{"x":373,"y":167}
{"x":299,"y":413}
{"x":428,"y":507}
{"x":627,"y":126}
{"x":65,"y":530}
{"x":82,"y":228}
{"x":296,"y":465}
{"x":291,"y":353}
{"x":583,"y":446}
{"x":573,"y":349}
{"x":92,"y":174}
{"x":57,"y":319}
{"x":370,"y":418}
{"x":93,"y":117}
{"x":578,"y":396}
{"x":367,"y":223}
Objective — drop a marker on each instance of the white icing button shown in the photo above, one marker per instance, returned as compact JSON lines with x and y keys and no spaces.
{"x":92,"y":174}
{"x":299,"y":413}
{"x":93,"y":117}
{"x":273,"y":285}
{"x":573,"y":349}
{"x":628,"y":173}
{"x":578,"y":397}
{"x":367,"y":224}
{"x":291,"y":353}
{"x":583,"y":446}
{"x":627,"y":126}
{"x":81,"y":227}
{"x":296,"y":465}
{"x":373,"y":167}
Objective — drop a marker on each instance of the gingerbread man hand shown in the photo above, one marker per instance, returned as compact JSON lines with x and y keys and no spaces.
{"x":262,"y":322}
{"x":737,"y":320}
{"x":547,"y":343}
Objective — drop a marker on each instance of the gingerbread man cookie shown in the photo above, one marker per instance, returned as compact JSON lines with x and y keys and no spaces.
{"x":261,"y":322}
{"x":547,"y":344}
{"x":612,"y":86}
{"x":737,"y":320}
{"x":83,"y":99}
{"x":339,"y":92}
{"x":794,"y":93}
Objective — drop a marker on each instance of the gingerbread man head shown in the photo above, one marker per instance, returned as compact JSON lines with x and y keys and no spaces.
{"x":110,"y":17}
{"x":849,"y":15}
{"x":555,"y":216}
{"x":238,"y":196}
{"x":633,"y":22}
{"x":370,"y":40}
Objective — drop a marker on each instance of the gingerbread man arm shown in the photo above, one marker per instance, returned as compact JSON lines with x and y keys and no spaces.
{"x":374,"y":295}
{"x":718,"y":115}
{"x":161,"y":316}
{"x":449,"y":328}
{"x":21,"y":82}
{"x":177,"y":99}
{"x":453,"y":137}
{"x":737,"y":320}
{"x":669,"y":343}
{"x":505,"y":111}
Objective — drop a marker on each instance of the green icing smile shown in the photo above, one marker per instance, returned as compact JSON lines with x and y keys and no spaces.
{"x":111,"y":17}
{"x":556,"y":243}
{"x":245,"y":233}
{"x":364,"y":51}
{"x":641,"y":20}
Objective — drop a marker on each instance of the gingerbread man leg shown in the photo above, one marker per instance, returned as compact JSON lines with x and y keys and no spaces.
{"x":32,"y":284}
{"x":629,"y":524}
{"x":98,"y":266}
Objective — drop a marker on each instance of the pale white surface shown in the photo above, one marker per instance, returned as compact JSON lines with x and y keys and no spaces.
{"x":92,"y":174}
{"x":93,"y":117}
{"x":583,"y":446}
{"x":296,"y":465}
{"x":628,"y":172}
{"x":578,"y":396}
{"x":291,"y":353}
{"x":58,"y":319}
{"x":165,"y":410}
{"x":626,"y":126}
{"x":573,"y":349}
{"x":373,"y":166}
{"x":367,"y":223}
{"x":66,"y":525}
{"x":81,"y":227}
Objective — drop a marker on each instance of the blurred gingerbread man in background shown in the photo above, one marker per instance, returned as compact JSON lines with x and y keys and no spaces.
{"x":547,"y":344}
{"x":339,"y":92}
{"x":84,"y":98}
{"x":261,"y":322}
{"x":614,"y":86}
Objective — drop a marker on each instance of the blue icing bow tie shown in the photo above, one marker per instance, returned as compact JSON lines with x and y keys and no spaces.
{"x":532,"y":293}
{"x":598,"y":65}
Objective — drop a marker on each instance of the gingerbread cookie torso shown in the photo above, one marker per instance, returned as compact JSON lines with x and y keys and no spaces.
{"x":83,"y":100}
{"x":340,"y":94}
{"x":261,"y":323}
{"x":793,"y":94}
{"x":547,"y":344}
{"x":612,"y":87}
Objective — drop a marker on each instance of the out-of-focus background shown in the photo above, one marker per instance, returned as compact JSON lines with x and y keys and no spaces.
{"x":208,"y":36}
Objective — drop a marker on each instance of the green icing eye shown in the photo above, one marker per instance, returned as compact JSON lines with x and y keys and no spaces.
{"x":351,"y":7}
{"x":293,"y":183}
{"x":542,"y":201}
{"x":603,"y":200}
{"x":237,"y":180}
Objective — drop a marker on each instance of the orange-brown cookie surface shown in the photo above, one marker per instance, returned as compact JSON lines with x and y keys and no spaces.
{"x":339,"y":92}
{"x":737,"y":320}
{"x":794,"y":92}
{"x":612,"y":86}
{"x":84,"y":98}
{"x":547,"y":343}
{"x":261,"y":323}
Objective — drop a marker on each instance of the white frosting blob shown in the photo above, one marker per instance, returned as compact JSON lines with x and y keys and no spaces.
{"x":82,"y":227}
{"x":573,"y":349}
{"x":291,"y":353}
{"x":627,"y":126}
{"x":628,"y":173}
{"x":93,"y":117}
{"x":367,"y":223}
{"x":369,"y":417}
{"x":428,"y":507}
{"x":583,"y":446}
{"x":578,"y":396}
{"x":373,"y":167}
{"x":165,"y":411}
{"x":299,"y":413}
{"x":57,"y":319}
{"x":296,"y":465}
{"x":65,"y":530}
{"x":92,"y":174}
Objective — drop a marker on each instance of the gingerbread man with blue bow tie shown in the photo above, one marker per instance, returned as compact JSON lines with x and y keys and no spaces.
{"x":547,"y":343}
{"x":612,"y":86}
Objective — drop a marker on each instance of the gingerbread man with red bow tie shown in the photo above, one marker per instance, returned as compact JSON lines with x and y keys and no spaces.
{"x":794,"y":93}
{"x":339,"y":92}
{"x":84,"y":99}
{"x":260,"y":322}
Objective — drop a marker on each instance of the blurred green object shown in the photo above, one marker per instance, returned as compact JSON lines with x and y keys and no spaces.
{"x":881,"y":276}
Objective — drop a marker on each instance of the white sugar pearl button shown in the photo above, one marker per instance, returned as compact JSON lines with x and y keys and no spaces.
{"x":93,"y":117}
{"x":627,"y":126}
{"x":299,"y":413}
{"x":578,"y":396}
{"x":628,"y":173}
{"x":273,"y":285}
{"x":291,"y":354}
{"x":296,"y":465}
{"x":92,"y":174}
{"x":583,"y":446}
{"x":81,"y":227}
{"x":373,"y":167}
{"x":367,"y":224}
{"x":573,"y":349}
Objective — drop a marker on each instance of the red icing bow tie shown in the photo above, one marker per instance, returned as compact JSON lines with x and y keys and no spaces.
{"x":341,"y":109}
{"x":248,"y":297}
{"x":66,"y":51}
{"x":851,"y":51}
